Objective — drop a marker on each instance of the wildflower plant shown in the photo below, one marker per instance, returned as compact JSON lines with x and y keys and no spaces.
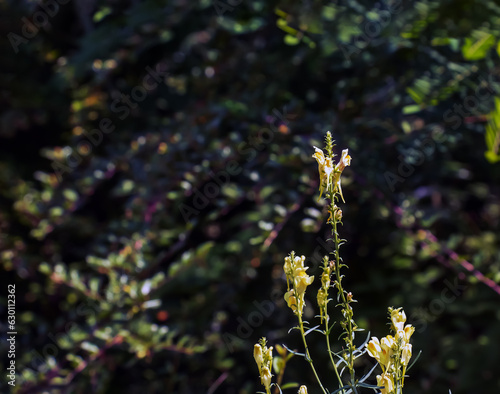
{"x":392,"y":353}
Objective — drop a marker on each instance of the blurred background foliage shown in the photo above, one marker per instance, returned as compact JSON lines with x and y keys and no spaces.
{"x":147,"y":258}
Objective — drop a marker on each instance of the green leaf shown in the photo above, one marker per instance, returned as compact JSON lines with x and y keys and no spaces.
{"x":290,"y":385}
{"x":492,"y":134}
{"x":411,"y":109}
{"x":477,"y":46}
{"x":291,"y":40}
{"x":492,"y":157}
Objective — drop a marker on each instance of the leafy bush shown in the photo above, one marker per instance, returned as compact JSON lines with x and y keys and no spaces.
{"x":155,"y":162}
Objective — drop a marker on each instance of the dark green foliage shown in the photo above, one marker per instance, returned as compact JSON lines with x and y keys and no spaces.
{"x":153,"y":263}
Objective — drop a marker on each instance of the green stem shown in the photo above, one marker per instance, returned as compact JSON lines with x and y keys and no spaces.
{"x":327,"y":333}
{"x":341,"y":291}
{"x":308,"y":356}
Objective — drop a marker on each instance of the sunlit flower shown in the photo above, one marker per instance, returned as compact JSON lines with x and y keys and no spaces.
{"x":374,"y":348}
{"x":325,"y":278}
{"x":406,"y":354}
{"x":387,"y":344}
{"x":257,"y":355}
{"x":345,"y":161}
{"x":386,"y":381}
{"x":266,"y":377}
{"x":325,"y":167}
{"x":302,"y":390}
{"x":264,"y":358}
{"x":408,"y":332}
{"x":299,"y":262}
{"x":291,"y":300}
{"x":382,"y":351}
{"x":287,"y":267}
{"x":398,"y":318}
{"x":322,"y":297}
{"x":301,"y":281}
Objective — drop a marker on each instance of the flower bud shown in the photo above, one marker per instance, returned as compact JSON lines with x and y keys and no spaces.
{"x":302,"y":390}
{"x":322,"y":297}
{"x":257,"y":355}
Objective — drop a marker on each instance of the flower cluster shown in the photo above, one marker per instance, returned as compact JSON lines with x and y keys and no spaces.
{"x":297,"y":281}
{"x":264,"y":358}
{"x":393,"y":353}
{"x":325,"y":285}
{"x":330,"y":175}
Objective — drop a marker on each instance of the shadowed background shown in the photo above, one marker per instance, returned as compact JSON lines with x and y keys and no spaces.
{"x":156,"y":168}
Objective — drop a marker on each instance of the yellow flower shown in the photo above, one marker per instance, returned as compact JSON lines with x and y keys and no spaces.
{"x":257,"y":355}
{"x":287,"y":267}
{"x":398,"y":318}
{"x":386,"y":381}
{"x":298,"y":262}
{"x":325,"y":167}
{"x":374,"y":348}
{"x":325,"y":278}
{"x":408,"y":332}
{"x":269,"y":355}
{"x":301,"y":281}
{"x":291,"y":300}
{"x":387,"y":344}
{"x":266,"y":377}
{"x":345,"y":161}
{"x":302,"y":390}
{"x":382,"y":351}
{"x":406,"y":354}
{"x":322,"y":297}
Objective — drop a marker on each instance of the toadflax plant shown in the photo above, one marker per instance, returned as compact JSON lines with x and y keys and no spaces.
{"x":392,"y":352}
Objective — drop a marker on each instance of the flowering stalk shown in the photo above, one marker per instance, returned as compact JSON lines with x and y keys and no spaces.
{"x":393,"y":353}
{"x":323,"y":307}
{"x":330,"y":180}
{"x":264,"y":358}
{"x":297,"y":281}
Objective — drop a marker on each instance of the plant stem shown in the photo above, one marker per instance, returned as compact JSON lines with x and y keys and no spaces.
{"x":308,"y":356}
{"x":327,"y":334}
{"x":346,"y":306}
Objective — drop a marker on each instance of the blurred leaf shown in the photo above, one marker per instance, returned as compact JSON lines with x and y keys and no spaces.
{"x":477,"y":46}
